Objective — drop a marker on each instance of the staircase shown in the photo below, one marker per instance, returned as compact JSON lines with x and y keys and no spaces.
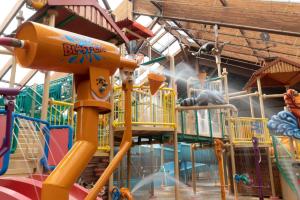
{"x":288,"y":166}
{"x":25,"y":160}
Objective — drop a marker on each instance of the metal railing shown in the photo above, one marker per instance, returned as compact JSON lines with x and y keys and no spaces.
{"x":244,"y":128}
{"x":104,"y":131}
{"x":61,"y":113}
{"x":205,"y":123}
{"x":147,"y":110}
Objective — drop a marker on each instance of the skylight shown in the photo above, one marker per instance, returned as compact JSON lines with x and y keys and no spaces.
{"x":157,"y":35}
{"x":164,"y":42}
{"x":144,"y":20}
{"x":173,"y":49}
{"x":156,"y":27}
{"x":182,"y":33}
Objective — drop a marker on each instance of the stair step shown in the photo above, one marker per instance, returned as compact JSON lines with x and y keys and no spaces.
{"x":20,"y":171}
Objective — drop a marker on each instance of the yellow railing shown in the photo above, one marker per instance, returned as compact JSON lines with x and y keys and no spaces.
{"x":104,"y":133}
{"x":62,"y":113}
{"x":147,"y":110}
{"x":243,"y":129}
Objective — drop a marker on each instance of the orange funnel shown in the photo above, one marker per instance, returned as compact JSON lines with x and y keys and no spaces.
{"x":155,"y":81}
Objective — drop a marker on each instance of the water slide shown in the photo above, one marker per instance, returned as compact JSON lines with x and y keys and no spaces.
{"x":19,"y":188}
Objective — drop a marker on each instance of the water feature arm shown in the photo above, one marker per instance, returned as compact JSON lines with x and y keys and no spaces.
{"x":125,"y":193}
{"x":10,"y":95}
{"x":125,"y":144}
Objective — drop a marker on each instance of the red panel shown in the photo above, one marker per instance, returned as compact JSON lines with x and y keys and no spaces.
{"x":58,"y":145}
{"x":136,"y":28}
{"x":28,"y":187}
{"x":31,"y":188}
{"x":8,"y":194}
{"x":2,"y":133}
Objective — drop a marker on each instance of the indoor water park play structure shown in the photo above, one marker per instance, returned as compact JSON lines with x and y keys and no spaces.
{"x":120,"y":116}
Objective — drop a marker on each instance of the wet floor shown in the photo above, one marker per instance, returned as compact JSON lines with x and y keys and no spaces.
{"x":204,"y":192}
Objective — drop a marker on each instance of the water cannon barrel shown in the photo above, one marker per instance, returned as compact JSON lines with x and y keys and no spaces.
{"x":52,"y":49}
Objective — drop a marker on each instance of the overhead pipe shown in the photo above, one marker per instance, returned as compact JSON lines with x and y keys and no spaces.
{"x":238,"y":93}
{"x":243,"y":95}
{"x":268,"y":96}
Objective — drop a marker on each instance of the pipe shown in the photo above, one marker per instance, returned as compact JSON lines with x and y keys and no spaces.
{"x":267,"y":96}
{"x":12,"y":42}
{"x":193,"y":168}
{"x":244,"y":95}
{"x":124,"y":147}
{"x":229,"y":106}
{"x":237,"y":93}
{"x":223,"y":24}
{"x":125,"y":193}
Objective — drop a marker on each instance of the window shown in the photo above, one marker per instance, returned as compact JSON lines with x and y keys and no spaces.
{"x":173,"y":49}
{"x":144,"y":20}
{"x":164,"y":42}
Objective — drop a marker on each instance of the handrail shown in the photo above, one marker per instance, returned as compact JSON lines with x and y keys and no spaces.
{"x":224,"y":106}
{"x":62,"y":103}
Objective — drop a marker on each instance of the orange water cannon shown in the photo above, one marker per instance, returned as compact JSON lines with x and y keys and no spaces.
{"x":50,"y":49}
{"x":92,"y":62}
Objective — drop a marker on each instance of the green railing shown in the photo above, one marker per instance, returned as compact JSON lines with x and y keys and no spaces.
{"x":284,"y":161}
{"x":202,"y":123}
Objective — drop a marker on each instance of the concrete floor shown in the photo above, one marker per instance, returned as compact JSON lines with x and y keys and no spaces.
{"x":204,"y":192}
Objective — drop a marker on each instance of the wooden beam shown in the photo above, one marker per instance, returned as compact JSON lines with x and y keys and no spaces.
{"x":254,"y":52}
{"x":262,"y":49}
{"x":106,"y":4}
{"x":18,"y":5}
{"x":238,"y":14}
{"x":5,"y":68}
{"x":27,"y":77}
{"x":141,"y":44}
{"x":289,"y":41}
{"x":223,"y":2}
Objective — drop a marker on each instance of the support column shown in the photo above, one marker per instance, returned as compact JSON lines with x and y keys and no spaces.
{"x":193,"y":168}
{"x":32,"y":112}
{"x":261,"y":99}
{"x":271,"y":172}
{"x":162,"y":163}
{"x":175,"y":139}
{"x":149,"y":52}
{"x":12,"y":79}
{"x":219,"y":154}
{"x":45,"y":99}
{"x":176,"y":165}
{"x":151,"y":170}
{"x":111,"y":139}
{"x":251,"y":106}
